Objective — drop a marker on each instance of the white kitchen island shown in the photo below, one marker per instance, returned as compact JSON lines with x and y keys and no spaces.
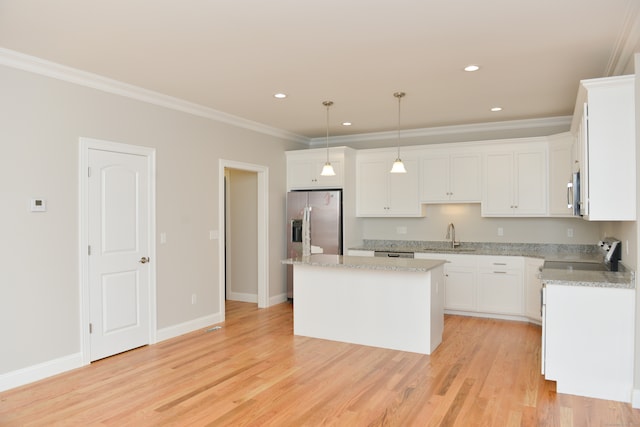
{"x":381,"y":302}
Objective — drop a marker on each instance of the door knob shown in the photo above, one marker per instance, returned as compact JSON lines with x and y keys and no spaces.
{"x":144,"y":260}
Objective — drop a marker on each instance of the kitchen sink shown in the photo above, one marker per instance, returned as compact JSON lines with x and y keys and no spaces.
{"x":576,"y":265}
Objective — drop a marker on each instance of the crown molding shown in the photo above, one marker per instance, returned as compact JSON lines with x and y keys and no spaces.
{"x":528,"y":124}
{"x":46,"y":68}
{"x":628,"y":42}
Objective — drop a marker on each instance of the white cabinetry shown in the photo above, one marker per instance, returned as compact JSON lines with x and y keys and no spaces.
{"x":515,"y":180}
{"x":533,"y":288}
{"x":304,"y":167}
{"x":360,"y":252}
{"x":500,"y":285}
{"x":460,"y":280}
{"x":604,"y":122}
{"x":381,"y":193}
{"x":588,"y":340}
{"x":560,"y":173}
{"x":451,"y":176}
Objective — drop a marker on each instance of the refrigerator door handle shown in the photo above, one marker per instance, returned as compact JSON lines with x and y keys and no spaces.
{"x":306,"y":231}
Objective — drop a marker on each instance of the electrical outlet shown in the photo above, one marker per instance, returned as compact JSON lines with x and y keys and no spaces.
{"x":569,"y":232}
{"x":194,"y":298}
{"x":500,"y":231}
{"x":401,"y":230}
{"x":163,"y":238}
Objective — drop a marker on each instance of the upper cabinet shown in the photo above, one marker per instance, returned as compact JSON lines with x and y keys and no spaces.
{"x":304,"y":167}
{"x":604,"y":123}
{"x":561,"y":163}
{"x":450,"y":177}
{"x":514,"y":180}
{"x":381,"y":193}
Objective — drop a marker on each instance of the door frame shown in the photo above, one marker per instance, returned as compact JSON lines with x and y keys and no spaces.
{"x":85,"y":145}
{"x":263,"y":230}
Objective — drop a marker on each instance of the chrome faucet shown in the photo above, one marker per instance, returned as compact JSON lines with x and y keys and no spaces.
{"x":451,"y":235}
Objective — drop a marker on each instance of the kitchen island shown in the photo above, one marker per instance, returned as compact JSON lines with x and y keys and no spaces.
{"x":389,"y":303}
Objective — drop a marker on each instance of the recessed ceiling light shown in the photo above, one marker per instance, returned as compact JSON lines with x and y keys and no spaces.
{"x":346,"y":123}
{"x":471,"y":68}
{"x":494,"y":109}
{"x":280,"y":95}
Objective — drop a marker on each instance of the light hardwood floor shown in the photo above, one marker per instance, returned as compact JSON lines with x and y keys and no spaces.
{"x":254,"y":372}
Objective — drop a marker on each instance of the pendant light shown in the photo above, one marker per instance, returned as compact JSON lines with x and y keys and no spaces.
{"x":327,"y":169}
{"x":398,"y":166}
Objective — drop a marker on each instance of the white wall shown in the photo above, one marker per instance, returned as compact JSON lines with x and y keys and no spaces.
{"x":471,"y":227}
{"x":41,"y":120}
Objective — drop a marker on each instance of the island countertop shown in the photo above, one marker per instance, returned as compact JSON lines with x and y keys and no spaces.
{"x":367,"y":263}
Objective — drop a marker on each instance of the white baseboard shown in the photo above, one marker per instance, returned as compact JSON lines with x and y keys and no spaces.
{"x":242,"y":297}
{"x":186,"y":327}
{"x":277,"y":299}
{"x":635,"y":398}
{"x":40,"y":371}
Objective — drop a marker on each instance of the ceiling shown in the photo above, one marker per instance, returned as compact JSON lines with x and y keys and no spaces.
{"x":234,"y":55}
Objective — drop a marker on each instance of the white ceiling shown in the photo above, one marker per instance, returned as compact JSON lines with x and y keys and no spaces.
{"x":233,"y":55}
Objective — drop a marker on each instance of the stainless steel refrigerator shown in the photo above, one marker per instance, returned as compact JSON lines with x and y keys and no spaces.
{"x":314,"y":225}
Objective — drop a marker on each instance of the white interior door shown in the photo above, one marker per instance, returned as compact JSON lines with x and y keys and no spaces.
{"x":118,"y":265}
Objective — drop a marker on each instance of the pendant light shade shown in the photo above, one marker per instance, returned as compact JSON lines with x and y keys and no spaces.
{"x":327,"y":169}
{"x":398,"y":166}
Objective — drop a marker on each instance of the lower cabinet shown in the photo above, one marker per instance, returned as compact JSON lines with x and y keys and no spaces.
{"x":500,"y":285}
{"x":588,"y":340}
{"x":533,"y":289}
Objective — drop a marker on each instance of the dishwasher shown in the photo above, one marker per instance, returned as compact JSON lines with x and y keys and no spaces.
{"x":391,"y":254}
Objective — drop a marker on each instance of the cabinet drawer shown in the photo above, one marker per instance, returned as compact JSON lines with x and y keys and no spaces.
{"x":500,"y":263}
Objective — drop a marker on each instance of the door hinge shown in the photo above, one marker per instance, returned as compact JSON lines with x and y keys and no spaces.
{"x":90,"y":328}
{"x":89,"y":250}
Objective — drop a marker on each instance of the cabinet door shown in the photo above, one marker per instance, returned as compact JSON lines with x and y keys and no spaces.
{"x":533,"y":288}
{"x":372,"y":190}
{"x":435,"y":178}
{"x":560,"y":170}
{"x":460,"y":288}
{"x":500,"y":291}
{"x":465,"y":178}
{"x":497,"y":198}
{"x":404,"y":190}
{"x":300,"y":173}
{"x":531,"y":190}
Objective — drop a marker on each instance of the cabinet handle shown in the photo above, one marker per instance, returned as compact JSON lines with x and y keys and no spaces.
{"x":500,"y":272}
{"x":499,"y":263}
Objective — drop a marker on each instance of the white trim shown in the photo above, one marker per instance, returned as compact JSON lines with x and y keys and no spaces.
{"x":40,"y":66}
{"x":85,"y":145}
{"x":635,"y":398}
{"x":242,"y":297}
{"x":263,"y":230}
{"x":277,"y":299}
{"x":553,"y":122}
{"x":186,"y":327}
{"x":40,"y":371}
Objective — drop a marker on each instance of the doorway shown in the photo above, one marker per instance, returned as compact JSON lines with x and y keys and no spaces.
{"x":261,"y":176}
{"x":117,"y":248}
{"x":241,"y":235}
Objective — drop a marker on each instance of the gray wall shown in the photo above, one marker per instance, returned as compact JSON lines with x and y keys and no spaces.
{"x":41,"y":120}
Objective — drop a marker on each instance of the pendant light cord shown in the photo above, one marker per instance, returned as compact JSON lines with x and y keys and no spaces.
{"x":327,"y":104}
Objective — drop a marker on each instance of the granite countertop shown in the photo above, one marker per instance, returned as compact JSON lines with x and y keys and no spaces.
{"x":367,"y":263}
{"x":599,"y":279}
{"x":624,"y":279}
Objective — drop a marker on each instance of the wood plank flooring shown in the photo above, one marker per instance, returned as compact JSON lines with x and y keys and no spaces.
{"x":254,"y":372}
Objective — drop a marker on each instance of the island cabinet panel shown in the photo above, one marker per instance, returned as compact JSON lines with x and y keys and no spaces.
{"x":588,"y":340}
{"x":399,"y":310}
{"x":383,"y":194}
{"x":515,"y":180}
{"x":450,"y":177}
{"x":500,"y":285}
